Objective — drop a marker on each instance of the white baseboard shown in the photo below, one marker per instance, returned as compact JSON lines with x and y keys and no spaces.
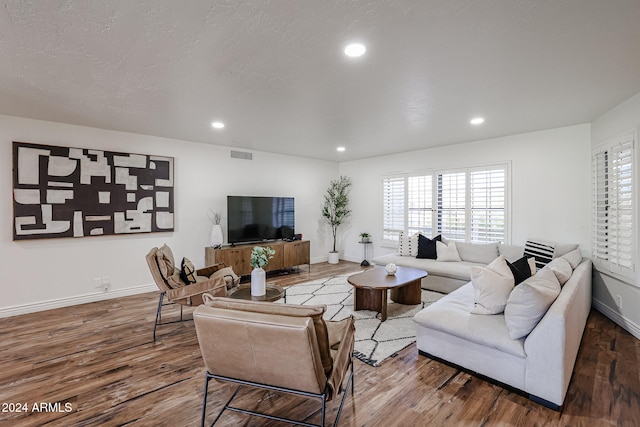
{"x":80,"y":299}
{"x":318,"y":260}
{"x":352,"y":259}
{"x":626,"y":324}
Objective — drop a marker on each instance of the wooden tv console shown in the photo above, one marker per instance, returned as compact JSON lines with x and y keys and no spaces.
{"x":288,"y":255}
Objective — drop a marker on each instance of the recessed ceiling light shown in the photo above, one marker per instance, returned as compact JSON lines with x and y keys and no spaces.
{"x":217,"y":125}
{"x":477,"y":121}
{"x":341,"y":149}
{"x":355,"y":49}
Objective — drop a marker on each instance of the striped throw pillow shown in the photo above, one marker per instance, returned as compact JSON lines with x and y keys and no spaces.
{"x":541,"y":251}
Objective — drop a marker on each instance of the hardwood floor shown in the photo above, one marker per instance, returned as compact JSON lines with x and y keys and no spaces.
{"x":100,"y":361}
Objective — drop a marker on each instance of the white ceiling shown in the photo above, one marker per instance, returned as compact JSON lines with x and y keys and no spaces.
{"x":274,"y":71}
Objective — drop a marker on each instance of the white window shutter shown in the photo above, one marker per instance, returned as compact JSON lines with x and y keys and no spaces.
{"x":451,"y":206}
{"x":420,"y":205}
{"x":393,"y":194}
{"x":613,"y":207}
{"x":488,"y":191}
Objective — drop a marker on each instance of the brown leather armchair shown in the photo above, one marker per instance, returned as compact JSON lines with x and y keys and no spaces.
{"x":282,"y":347}
{"x":214,"y":279}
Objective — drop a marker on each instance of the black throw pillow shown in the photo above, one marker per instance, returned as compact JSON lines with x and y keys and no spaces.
{"x":520,"y":269}
{"x":427,"y":247}
{"x":188,"y":272}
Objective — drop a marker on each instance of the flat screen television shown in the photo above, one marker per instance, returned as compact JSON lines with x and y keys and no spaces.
{"x":255,"y":219}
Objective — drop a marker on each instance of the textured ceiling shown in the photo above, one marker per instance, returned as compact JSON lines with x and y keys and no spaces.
{"x":274,"y":71}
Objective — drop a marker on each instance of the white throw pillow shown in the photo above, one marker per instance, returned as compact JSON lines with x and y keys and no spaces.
{"x":574,"y":257}
{"x":447,"y":253}
{"x":491,"y":287}
{"x":529,"y":301}
{"x":499,"y":265}
{"x":408,"y":245}
{"x":532,"y":265}
{"x":561,"y":268}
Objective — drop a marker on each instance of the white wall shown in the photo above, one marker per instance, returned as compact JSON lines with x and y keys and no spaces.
{"x":607,"y":290}
{"x":47,"y":273}
{"x":550,"y":185}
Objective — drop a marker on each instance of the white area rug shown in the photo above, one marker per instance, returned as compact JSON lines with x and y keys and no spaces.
{"x":375,"y":340}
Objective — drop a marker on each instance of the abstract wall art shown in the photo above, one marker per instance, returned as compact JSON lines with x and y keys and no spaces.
{"x":78,"y":192}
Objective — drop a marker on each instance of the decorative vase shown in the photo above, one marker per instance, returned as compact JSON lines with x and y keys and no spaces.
{"x":216,"y":236}
{"x":391,"y":269}
{"x":258,"y":282}
{"x":334,"y":258}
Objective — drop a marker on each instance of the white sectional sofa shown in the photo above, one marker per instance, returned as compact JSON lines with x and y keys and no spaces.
{"x":539,"y":364}
{"x":447,"y":276}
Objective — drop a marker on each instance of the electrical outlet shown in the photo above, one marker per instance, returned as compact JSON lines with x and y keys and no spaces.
{"x":106,"y":284}
{"x":619,"y":301}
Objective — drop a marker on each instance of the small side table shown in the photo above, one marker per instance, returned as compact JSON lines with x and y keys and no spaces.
{"x":364,"y":262}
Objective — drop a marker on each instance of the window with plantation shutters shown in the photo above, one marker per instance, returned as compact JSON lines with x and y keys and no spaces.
{"x":407,"y":206}
{"x":464,"y":204}
{"x":487,"y":189}
{"x":613,"y":212}
{"x":393,"y":195}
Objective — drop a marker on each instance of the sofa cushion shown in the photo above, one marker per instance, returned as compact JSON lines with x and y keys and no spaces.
{"x":452,"y":315}
{"x":427,"y":247}
{"x":491,"y":287}
{"x":529,"y":301}
{"x":561,"y":268}
{"x":482,"y":253}
{"x":541,"y":251}
{"x":447,"y":252}
{"x":510,"y":252}
{"x":574,"y":257}
{"x":408,"y":244}
{"x":455,"y":270}
{"x":562,"y":249}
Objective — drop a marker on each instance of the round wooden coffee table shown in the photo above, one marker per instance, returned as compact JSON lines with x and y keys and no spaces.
{"x":371,"y":288}
{"x":274,"y":293}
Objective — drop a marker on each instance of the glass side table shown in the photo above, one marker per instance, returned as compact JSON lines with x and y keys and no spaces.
{"x":364,"y":262}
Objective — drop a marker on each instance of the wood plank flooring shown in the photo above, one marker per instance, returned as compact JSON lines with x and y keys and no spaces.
{"x":99,"y":362}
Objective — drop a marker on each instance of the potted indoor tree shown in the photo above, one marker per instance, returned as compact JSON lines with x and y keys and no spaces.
{"x":336,"y":210}
{"x":260,"y":256}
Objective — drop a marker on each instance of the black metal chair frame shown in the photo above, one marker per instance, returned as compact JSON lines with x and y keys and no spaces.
{"x":159,"y":310}
{"x":159,"y":315}
{"x":322,"y":397}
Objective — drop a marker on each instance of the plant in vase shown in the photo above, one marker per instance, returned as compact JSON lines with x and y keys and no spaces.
{"x":365,"y":237}
{"x":336,"y":209}
{"x":260,"y":256}
{"x":216,"y":229}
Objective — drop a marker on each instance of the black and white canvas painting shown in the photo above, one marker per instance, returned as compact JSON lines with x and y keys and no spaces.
{"x":77,"y":192}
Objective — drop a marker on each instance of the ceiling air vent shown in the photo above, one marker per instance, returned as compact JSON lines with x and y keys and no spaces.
{"x":241,"y":155}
